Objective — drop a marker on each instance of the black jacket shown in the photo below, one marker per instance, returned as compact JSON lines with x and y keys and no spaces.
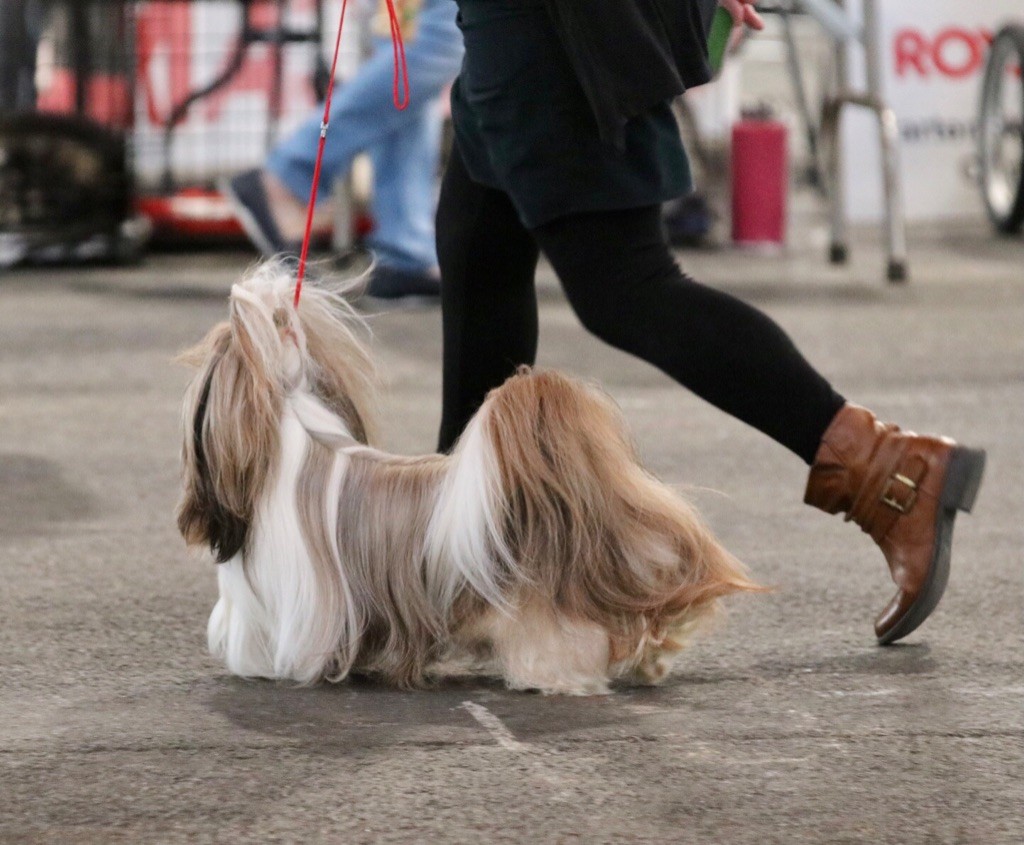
{"x":630,"y":55}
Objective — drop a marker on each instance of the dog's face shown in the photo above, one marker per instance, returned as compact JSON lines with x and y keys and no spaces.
{"x":248,"y":368}
{"x":232,"y":411}
{"x":267,"y":332}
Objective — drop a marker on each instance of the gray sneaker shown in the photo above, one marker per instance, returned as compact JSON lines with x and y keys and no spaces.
{"x":394,"y":287}
{"x":248,"y":199}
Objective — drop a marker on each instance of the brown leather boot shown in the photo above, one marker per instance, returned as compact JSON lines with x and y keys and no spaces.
{"x":904,"y":490}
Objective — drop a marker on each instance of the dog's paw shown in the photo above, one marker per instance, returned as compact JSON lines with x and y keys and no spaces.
{"x":651,"y":671}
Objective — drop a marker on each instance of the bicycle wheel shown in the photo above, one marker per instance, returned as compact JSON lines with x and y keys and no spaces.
{"x":1001,"y":131}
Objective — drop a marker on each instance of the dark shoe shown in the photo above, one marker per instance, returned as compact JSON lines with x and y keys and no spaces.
{"x":352,"y":260}
{"x":904,"y":490}
{"x":248,"y":199}
{"x":407,"y":287}
{"x":688,"y":221}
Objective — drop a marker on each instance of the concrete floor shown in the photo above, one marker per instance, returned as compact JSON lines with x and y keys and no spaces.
{"x":785,"y":725}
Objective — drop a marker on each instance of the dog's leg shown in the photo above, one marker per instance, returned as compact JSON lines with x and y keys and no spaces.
{"x":537,"y":649}
{"x":657,"y":654}
{"x":238,"y":626}
{"x":588,"y":525}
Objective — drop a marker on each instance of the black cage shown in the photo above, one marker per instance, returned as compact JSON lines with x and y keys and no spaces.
{"x":108,"y":108}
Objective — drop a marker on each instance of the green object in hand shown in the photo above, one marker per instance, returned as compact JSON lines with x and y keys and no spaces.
{"x":718,"y":38}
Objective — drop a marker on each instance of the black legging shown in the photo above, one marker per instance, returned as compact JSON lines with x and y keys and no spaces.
{"x":621,"y":279}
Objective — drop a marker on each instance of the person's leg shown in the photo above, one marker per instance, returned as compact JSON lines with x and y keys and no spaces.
{"x":488,"y":301}
{"x":363,"y":112}
{"x":404,"y":194}
{"x":901,"y":488}
{"x":620,"y":277}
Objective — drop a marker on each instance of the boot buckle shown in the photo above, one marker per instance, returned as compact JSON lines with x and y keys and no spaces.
{"x":888,"y":496}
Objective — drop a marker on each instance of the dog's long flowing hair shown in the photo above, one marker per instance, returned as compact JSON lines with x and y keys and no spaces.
{"x":539,"y":551}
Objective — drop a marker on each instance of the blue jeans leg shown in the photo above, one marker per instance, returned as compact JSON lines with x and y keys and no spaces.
{"x":364,"y":118}
{"x":404,"y":194}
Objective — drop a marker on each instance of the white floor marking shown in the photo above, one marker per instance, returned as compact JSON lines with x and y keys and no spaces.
{"x":495,"y":727}
{"x":559,"y":784}
{"x":838,"y":693}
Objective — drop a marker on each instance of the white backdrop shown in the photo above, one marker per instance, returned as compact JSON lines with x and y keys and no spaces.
{"x":934,"y":53}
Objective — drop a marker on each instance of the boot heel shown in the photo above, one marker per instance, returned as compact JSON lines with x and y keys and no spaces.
{"x":963,"y":478}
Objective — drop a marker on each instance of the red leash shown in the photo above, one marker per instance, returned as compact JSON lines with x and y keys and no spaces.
{"x":398,"y":50}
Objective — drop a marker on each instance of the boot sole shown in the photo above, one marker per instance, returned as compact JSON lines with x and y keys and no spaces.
{"x":959,"y":491}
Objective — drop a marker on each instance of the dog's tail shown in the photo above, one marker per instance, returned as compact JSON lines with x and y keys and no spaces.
{"x":577,"y":522}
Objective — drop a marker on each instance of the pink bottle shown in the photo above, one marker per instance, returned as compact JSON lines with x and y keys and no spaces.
{"x":760,"y":178}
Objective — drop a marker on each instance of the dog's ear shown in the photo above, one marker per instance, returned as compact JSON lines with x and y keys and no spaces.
{"x":203,"y":522}
{"x":230,"y":443}
{"x":254,"y":335}
{"x":202,"y":519}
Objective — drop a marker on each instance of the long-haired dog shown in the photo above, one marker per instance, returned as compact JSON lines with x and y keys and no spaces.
{"x":539,"y":551}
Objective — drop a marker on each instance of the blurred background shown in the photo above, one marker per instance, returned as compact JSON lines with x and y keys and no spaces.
{"x":118,"y":118}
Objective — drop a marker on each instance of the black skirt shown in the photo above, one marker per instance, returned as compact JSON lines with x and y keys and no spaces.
{"x":524,"y":126}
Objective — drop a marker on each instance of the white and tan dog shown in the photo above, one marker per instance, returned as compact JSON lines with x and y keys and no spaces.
{"x":540,"y":551}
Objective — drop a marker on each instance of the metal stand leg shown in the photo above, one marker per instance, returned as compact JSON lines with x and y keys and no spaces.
{"x":895,"y":235}
{"x":838,"y":251}
{"x":803,"y":106}
{"x":889,"y":143}
{"x":888,"y":133}
{"x":830,"y":142}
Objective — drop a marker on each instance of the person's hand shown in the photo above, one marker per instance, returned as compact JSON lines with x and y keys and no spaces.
{"x":743,"y":12}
